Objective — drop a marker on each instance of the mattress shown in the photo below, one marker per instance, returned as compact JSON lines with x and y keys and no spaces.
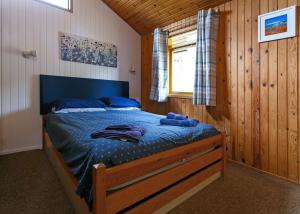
{"x":70,"y":134}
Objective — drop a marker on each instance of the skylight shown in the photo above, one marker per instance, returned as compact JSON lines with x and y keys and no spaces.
{"x":63,"y":4}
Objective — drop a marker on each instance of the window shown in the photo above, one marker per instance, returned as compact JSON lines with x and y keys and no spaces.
{"x":63,"y":4}
{"x":182,"y":63}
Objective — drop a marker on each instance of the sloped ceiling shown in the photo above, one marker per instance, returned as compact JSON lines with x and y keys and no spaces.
{"x":145,"y":15}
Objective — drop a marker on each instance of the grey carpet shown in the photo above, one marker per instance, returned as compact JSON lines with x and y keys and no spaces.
{"x":28,"y":184}
{"x":244,"y":191}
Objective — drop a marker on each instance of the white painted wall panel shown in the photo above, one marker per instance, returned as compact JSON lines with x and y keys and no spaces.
{"x":28,"y":24}
{"x":1,"y":135}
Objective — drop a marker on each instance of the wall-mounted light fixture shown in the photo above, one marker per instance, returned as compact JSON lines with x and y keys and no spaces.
{"x":29,"y":54}
{"x":132,"y":69}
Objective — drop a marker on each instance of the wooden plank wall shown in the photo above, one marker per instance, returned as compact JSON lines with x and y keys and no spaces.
{"x":257,"y":103}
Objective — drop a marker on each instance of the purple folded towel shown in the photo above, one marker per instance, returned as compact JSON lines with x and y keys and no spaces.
{"x":121,"y":132}
{"x":182,"y":123}
{"x":174,"y":116}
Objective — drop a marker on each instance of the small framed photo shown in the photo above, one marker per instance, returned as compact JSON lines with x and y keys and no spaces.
{"x":278,"y":24}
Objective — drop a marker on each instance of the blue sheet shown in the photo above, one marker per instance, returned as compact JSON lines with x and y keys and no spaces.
{"x":71,"y":135}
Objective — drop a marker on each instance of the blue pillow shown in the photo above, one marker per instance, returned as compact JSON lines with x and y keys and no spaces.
{"x":77,"y":103}
{"x":120,"y":102}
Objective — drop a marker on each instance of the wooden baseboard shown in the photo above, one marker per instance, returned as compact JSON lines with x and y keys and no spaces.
{"x":263,"y":172}
{"x":22,"y":149}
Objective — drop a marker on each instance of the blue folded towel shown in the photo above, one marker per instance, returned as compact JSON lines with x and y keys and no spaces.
{"x":172,"y":115}
{"x":121,"y":132}
{"x":183,"y":123}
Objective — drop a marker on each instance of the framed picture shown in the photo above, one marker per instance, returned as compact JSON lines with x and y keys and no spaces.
{"x":84,"y":50}
{"x":278,"y":24}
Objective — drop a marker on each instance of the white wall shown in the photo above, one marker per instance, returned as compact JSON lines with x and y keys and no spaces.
{"x":29,"y":24}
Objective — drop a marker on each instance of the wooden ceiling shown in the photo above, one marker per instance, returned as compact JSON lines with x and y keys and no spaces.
{"x":145,"y":15}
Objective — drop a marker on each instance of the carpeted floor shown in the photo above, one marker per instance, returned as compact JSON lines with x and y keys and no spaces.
{"x":28,"y":184}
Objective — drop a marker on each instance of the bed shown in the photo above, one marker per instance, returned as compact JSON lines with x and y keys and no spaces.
{"x":114,"y":176}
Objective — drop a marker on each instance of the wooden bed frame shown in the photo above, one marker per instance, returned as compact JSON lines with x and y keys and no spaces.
{"x":150,"y":194}
{"x":144,"y":196}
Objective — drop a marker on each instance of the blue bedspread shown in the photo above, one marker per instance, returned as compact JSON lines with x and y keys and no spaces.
{"x":70,"y":134}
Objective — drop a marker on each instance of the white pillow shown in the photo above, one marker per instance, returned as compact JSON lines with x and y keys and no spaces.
{"x":123,"y":109}
{"x":74,"y":110}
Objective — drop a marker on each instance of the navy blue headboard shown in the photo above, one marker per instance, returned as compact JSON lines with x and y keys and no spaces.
{"x":58,"y":87}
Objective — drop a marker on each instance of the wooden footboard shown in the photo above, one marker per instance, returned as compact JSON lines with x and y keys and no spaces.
{"x":154,"y":192}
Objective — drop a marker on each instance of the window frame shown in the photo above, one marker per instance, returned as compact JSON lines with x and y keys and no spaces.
{"x":170,"y":92}
{"x":58,"y":7}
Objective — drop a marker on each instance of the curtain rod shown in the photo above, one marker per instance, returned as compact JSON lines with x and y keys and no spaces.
{"x":217,"y":10}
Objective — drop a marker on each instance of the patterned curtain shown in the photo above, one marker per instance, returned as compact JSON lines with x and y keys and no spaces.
{"x":205,"y":75}
{"x":159,"y":87}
